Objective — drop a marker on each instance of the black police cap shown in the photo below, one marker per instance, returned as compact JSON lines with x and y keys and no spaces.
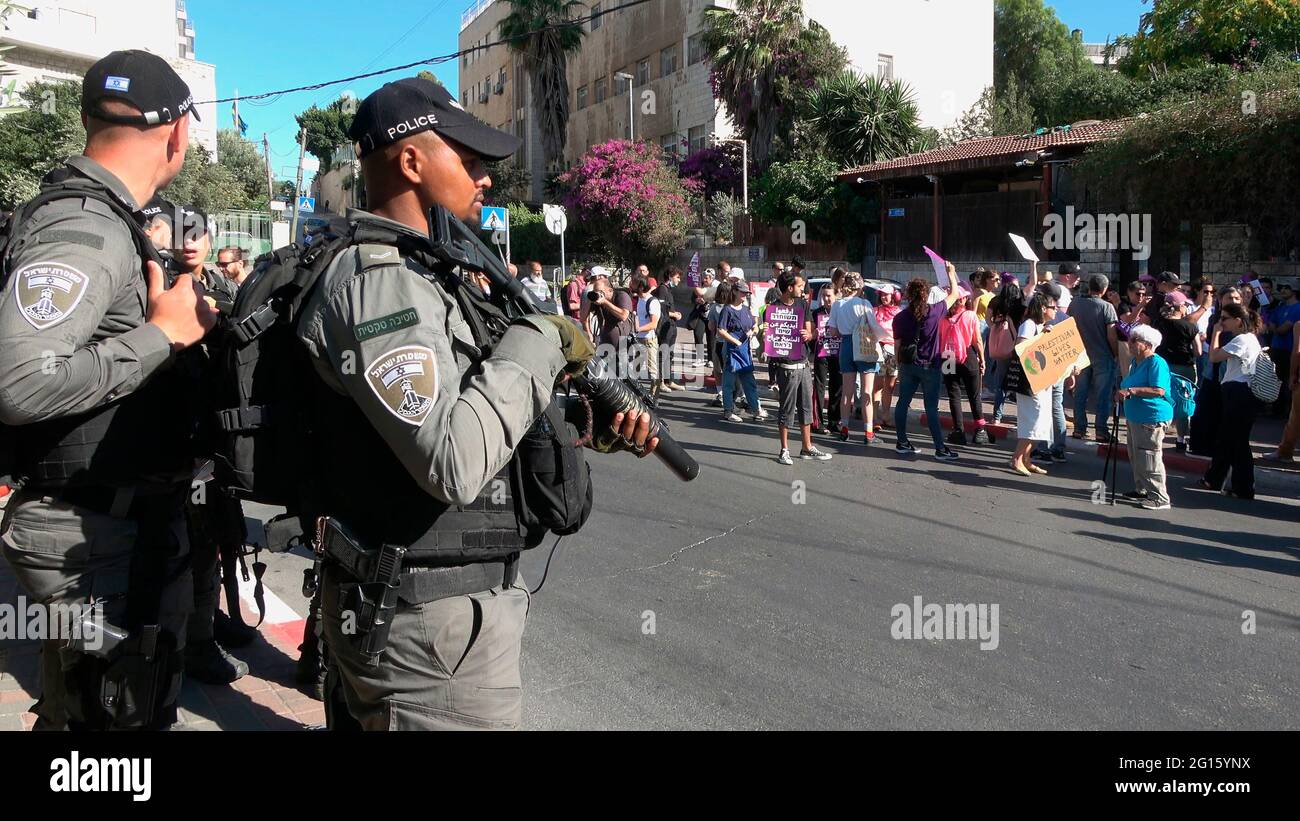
{"x":413,"y":105}
{"x":142,"y":79}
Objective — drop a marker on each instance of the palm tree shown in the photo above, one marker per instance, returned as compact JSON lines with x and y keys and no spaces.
{"x":745,"y":46}
{"x":866,"y":119}
{"x":541,"y":31}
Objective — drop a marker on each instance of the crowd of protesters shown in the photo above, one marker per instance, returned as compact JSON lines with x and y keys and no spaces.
{"x":1167,"y":358}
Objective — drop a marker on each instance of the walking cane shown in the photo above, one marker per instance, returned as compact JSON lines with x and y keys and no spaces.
{"x":1114,"y":454}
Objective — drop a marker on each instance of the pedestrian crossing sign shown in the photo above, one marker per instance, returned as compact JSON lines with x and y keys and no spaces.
{"x":495,"y":219}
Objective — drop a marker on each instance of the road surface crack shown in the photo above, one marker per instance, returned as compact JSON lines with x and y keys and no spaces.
{"x":672,"y":558}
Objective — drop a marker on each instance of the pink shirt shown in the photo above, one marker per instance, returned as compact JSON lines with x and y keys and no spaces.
{"x":956,"y":333}
{"x":885,"y":316}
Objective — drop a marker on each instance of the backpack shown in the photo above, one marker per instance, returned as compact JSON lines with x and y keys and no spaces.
{"x":1183,"y":396}
{"x":1002,"y":342}
{"x":1264,"y":383}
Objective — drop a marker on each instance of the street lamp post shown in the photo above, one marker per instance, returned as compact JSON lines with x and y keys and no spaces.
{"x":631,"y":105}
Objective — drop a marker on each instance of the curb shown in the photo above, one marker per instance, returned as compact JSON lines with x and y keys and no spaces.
{"x":998,"y":431}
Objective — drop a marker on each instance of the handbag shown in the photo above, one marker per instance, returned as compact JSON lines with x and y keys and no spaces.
{"x":1016,"y":380}
{"x":739,"y":358}
{"x":1264,"y":383}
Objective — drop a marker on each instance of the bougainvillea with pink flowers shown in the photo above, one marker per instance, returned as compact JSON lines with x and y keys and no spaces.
{"x":628,"y":198}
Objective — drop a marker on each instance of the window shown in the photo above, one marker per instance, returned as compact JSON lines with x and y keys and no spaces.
{"x":602,"y":90}
{"x":698,"y":138}
{"x":643,"y":72}
{"x":668,"y":144}
{"x":582,"y":98}
{"x":668,"y":60}
{"x":885,"y":67}
{"x":596,"y":19}
{"x":464,"y":99}
{"x":695,"y":49}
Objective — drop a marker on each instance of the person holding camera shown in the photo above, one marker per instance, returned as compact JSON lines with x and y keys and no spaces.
{"x":611,"y":311}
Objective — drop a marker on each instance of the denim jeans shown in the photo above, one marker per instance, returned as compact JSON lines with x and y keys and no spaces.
{"x":1099,"y":379}
{"x":911,"y":377}
{"x":747,"y":384}
{"x":1058,"y":417}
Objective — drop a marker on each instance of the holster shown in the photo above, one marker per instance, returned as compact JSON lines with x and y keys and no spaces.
{"x":134,"y":677}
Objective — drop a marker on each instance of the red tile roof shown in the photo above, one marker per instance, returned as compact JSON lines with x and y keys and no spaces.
{"x":987,"y":152}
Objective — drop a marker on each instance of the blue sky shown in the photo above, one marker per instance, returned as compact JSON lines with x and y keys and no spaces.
{"x":264,"y":45}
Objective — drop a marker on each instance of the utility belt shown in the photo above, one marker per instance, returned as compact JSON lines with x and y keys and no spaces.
{"x":385,"y":575}
{"x":128,"y":676}
{"x":791,"y":366}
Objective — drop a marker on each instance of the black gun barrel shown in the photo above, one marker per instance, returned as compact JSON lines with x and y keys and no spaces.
{"x":452,"y":238}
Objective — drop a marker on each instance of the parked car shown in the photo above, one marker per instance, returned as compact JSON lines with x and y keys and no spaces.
{"x":873,"y":286}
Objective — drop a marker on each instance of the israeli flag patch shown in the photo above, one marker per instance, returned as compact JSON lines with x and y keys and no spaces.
{"x":122,"y":84}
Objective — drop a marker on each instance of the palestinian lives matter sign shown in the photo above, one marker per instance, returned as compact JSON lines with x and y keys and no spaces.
{"x":784,"y":322}
{"x":1048,"y":357}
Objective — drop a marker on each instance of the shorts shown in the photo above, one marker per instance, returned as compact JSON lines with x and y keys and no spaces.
{"x":849,"y":365}
{"x":891,"y":366}
{"x":796,"y":396}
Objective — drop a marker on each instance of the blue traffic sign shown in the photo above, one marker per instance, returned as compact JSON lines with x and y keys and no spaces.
{"x":495,"y":219}
{"x":307,"y":204}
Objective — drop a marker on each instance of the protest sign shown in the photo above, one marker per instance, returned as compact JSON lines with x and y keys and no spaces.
{"x":693,"y":272}
{"x":784,"y":322}
{"x":940,"y":266}
{"x":829,"y":337}
{"x":1022,"y":245}
{"x":1048,"y":357}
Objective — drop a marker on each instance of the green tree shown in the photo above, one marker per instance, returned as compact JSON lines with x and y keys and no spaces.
{"x":208,"y":185}
{"x":430,"y":76}
{"x":860,"y":120}
{"x":509,"y":182}
{"x":541,"y":31}
{"x":239,"y":156}
{"x":44,"y":131}
{"x":327,"y":128}
{"x":1178,"y":34}
{"x":747,"y":46}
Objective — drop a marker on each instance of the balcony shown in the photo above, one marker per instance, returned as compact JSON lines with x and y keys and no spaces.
{"x":471,"y":14}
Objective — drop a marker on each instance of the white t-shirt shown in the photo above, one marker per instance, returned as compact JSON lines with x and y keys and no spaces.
{"x":1027,"y":330}
{"x":1245,"y":350}
{"x":645,"y":309}
{"x":846,"y":314}
{"x":710,"y":291}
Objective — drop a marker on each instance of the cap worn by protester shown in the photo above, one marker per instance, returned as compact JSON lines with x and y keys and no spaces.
{"x":887,"y":289}
{"x":710,"y":273}
{"x":413,"y":105}
{"x":1068,"y":269}
{"x":598,"y":271}
{"x":141,"y":79}
{"x":1146,"y":278}
{"x":1176,"y":298}
{"x":737,"y":273}
{"x":1098,"y":283}
{"x":1169,"y":278}
{"x":740,"y":287}
{"x":188,"y":222}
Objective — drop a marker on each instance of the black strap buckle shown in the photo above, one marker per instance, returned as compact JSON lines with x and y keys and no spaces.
{"x":256,"y":323}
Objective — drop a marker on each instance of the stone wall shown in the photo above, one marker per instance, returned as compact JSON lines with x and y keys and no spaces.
{"x":1230,"y":251}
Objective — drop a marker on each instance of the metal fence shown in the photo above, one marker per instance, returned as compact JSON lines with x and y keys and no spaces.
{"x":249,"y":230}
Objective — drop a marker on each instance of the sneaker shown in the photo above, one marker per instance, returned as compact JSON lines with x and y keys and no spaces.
{"x":784,"y":458}
{"x":1180,"y":447}
{"x":231,"y":632}
{"x":820,"y":456}
{"x":209,"y":663}
{"x":732,"y":417}
{"x":905,"y":448}
{"x":774,"y":388}
{"x":1102,"y":437}
{"x":1152,"y":504}
{"x":1057,"y":456}
{"x":1275,"y":456}
{"x":761,"y":416}
{"x":982,"y":437}
{"x":1135,"y":495}
{"x":1041,"y":455}
{"x":957,"y":437}
{"x":844,"y":434}
{"x":946,"y":455}
{"x":742,"y":403}
{"x":717,"y":401}
{"x":997,"y":419}
{"x":869,"y":439}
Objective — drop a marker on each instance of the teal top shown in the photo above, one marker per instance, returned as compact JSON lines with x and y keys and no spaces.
{"x":1152,"y":372}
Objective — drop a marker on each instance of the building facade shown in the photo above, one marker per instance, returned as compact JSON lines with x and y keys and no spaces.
{"x":57,"y":40}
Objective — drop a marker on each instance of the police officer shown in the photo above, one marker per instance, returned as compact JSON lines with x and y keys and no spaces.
{"x":94,"y":386}
{"x":192,"y":238}
{"x":415,"y":422}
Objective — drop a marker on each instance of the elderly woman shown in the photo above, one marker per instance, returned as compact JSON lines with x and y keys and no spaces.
{"x":1147,"y":407}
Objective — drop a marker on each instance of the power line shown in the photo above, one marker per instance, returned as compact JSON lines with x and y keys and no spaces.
{"x":577,"y":21}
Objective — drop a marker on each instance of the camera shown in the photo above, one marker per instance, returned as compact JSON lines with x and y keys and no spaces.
{"x":593,"y":296}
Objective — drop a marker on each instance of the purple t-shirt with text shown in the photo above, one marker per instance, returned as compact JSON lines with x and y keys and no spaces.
{"x":926,"y":336}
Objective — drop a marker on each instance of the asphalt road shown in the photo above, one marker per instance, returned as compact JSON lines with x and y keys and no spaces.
{"x":747,"y":601}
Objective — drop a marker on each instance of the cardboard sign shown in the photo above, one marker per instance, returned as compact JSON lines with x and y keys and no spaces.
{"x":784,"y":322}
{"x":693,"y":272}
{"x":1259,"y":292}
{"x":1048,"y":357}
{"x":866,"y":347}
{"x":940,"y":266}
{"x":1022,"y":245}
{"x":758,"y":296}
{"x":829,"y":338}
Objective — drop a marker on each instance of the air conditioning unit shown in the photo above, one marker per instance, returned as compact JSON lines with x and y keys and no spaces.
{"x":500,"y":88}
{"x":483,"y":96}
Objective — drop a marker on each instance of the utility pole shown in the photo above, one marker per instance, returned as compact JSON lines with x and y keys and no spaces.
{"x":270,"y":179}
{"x":297,"y":190}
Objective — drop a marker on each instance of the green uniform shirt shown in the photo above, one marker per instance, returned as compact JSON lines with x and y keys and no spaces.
{"x":73,"y":334}
{"x":382,"y":332}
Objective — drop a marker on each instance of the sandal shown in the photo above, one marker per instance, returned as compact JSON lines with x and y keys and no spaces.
{"x":1038,"y":470}
{"x":1019,"y":468}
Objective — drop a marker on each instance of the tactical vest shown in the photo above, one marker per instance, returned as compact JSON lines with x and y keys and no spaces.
{"x":362,"y":483}
{"x":147,"y":436}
